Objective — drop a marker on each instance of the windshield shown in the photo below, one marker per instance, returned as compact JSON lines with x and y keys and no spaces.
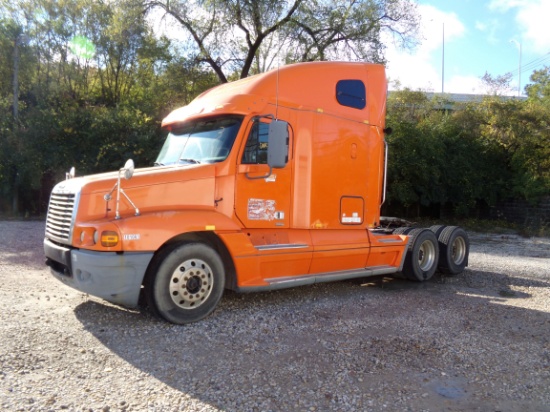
{"x":200,"y":141}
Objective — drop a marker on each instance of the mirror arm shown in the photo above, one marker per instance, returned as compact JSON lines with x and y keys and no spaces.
{"x":128,"y":171}
{"x":129,"y":200}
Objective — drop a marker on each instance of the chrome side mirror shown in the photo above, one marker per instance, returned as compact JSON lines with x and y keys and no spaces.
{"x":128,"y":169}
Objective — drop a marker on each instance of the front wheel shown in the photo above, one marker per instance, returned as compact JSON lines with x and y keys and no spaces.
{"x":186,"y":283}
{"x":422,"y":255}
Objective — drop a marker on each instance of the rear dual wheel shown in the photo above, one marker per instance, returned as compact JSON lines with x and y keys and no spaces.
{"x":454,"y":249}
{"x":422,"y":255}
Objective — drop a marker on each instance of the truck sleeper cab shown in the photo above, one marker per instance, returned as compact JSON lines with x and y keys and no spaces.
{"x":268,"y":182}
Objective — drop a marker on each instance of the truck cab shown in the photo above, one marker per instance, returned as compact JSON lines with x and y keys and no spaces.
{"x":269,"y":182}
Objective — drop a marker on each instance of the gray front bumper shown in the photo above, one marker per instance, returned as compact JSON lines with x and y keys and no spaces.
{"x":115,"y":277}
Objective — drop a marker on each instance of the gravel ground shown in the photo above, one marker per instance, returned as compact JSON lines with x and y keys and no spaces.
{"x":479,"y":341}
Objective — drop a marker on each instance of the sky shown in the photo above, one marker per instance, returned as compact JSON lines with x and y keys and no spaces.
{"x":479,"y":36}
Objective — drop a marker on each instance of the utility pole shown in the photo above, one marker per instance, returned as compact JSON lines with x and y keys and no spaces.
{"x":519,"y":65}
{"x":443,"y":61}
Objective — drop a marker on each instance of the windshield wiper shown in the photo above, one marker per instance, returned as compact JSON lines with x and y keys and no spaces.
{"x":192,"y":161}
{"x":158,"y":164}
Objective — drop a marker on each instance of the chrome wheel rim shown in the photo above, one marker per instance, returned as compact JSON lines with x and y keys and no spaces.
{"x":426,"y":255}
{"x":191,"y":283}
{"x":458,"y":250}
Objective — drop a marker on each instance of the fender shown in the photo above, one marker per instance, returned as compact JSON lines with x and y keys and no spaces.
{"x":150,"y":231}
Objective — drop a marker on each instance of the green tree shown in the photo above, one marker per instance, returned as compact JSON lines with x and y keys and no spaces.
{"x":438,"y":157}
{"x":85,"y":107}
{"x":522,"y":129}
{"x":414,"y":154}
{"x":539,"y":89}
{"x":127,"y":52}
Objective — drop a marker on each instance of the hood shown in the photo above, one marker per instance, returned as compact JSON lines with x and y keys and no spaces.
{"x":150,"y":190}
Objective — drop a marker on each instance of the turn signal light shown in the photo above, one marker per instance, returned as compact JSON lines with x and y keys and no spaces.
{"x":109,"y":238}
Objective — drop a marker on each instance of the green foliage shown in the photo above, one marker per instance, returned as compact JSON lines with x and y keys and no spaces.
{"x":413,"y":173}
{"x":440,"y":157}
{"x":88,"y":111}
{"x":521,"y":129}
{"x":476,"y":153}
{"x":93,"y":139}
{"x":539,"y":89}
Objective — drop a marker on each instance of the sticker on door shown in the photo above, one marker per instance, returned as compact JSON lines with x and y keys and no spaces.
{"x":261,"y":209}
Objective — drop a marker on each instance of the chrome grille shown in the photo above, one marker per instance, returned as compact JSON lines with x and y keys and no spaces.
{"x":60,"y":216}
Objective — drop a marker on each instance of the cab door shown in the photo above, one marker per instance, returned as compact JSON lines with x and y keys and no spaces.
{"x":262,"y":194}
{"x":263,"y":204}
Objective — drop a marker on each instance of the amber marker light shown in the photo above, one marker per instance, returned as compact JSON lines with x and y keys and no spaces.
{"x":109,"y":238}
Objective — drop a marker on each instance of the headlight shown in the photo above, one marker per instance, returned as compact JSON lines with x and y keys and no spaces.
{"x":88,"y":236}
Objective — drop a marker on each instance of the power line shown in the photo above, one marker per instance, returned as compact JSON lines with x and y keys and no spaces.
{"x":533,"y":64}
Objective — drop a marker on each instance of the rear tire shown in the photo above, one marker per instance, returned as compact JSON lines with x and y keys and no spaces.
{"x":422,"y":255}
{"x":454,"y":249}
{"x":437,"y":229}
{"x":185,"y":283}
{"x":402,"y":230}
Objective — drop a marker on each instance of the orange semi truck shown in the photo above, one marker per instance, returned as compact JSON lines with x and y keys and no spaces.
{"x":269,"y":182}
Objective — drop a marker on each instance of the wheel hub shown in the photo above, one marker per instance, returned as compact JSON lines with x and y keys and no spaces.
{"x":458,"y":250}
{"x":426,"y":255}
{"x":191,"y":283}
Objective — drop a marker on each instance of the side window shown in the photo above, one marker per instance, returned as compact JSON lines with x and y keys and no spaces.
{"x":351,"y":93}
{"x":255,"y":151}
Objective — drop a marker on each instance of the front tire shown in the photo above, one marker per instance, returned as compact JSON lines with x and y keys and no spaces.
{"x":186,"y":283}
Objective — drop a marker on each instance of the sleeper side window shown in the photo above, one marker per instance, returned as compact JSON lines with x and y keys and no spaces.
{"x":351,"y":93}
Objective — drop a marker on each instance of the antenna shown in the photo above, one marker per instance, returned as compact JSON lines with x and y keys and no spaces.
{"x":277,"y":93}
{"x":277,"y":81}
